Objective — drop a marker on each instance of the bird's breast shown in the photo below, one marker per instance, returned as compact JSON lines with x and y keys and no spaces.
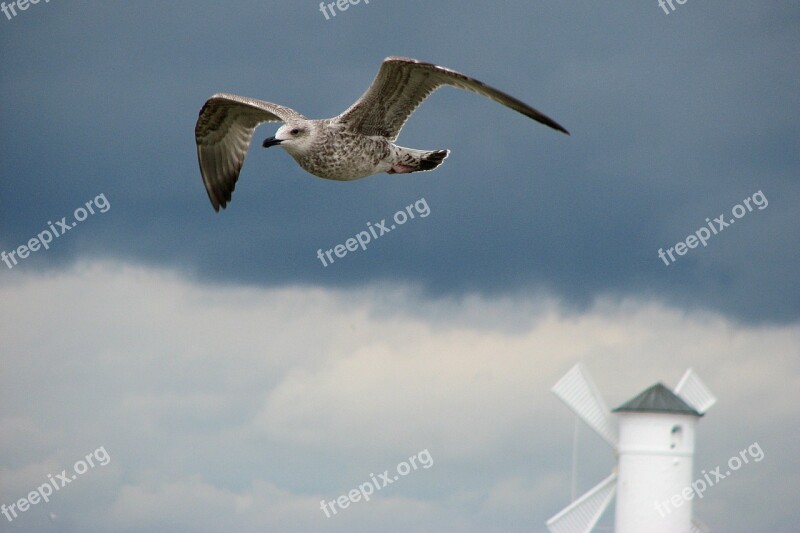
{"x":346,"y":157}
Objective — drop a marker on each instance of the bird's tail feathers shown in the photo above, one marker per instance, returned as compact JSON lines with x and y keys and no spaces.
{"x":411,"y":160}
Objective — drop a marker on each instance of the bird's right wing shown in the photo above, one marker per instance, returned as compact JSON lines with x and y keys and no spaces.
{"x":402,"y":84}
{"x":223,"y":133}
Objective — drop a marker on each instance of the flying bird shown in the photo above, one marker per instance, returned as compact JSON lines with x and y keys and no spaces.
{"x":353,"y":145}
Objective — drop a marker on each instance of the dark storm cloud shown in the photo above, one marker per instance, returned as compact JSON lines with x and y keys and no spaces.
{"x":674,"y":118}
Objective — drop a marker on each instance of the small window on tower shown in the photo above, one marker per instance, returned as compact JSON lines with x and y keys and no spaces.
{"x":676,"y":437}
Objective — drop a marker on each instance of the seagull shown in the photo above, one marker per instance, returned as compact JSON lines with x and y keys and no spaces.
{"x":356,"y":144}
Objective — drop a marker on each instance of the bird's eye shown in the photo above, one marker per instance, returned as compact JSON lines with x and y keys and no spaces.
{"x":295,"y":131}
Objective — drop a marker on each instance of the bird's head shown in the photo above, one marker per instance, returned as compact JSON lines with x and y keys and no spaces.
{"x":295,"y":136}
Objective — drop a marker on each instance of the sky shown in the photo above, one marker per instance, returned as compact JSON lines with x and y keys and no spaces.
{"x":231,"y":380}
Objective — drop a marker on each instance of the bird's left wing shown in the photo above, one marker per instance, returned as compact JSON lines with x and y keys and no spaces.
{"x":223,"y":133}
{"x":402,"y":84}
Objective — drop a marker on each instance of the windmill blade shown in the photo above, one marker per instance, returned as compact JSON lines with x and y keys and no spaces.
{"x":581,"y":515}
{"x":694,"y":392}
{"x":699,"y":527}
{"x":577,"y":390}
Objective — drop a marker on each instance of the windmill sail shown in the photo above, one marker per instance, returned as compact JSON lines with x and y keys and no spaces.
{"x":694,"y":392}
{"x":577,"y":390}
{"x":581,"y":515}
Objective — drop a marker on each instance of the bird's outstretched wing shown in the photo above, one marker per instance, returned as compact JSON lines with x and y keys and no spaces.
{"x":223,"y":133}
{"x":402,"y":84}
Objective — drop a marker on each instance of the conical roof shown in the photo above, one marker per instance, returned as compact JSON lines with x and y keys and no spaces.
{"x":658,"y":399}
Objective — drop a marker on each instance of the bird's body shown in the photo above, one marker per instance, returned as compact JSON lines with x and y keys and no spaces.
{"x":343,"y":155}
{"x":353,"y":145}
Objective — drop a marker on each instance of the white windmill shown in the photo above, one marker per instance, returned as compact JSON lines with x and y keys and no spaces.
{"x":653,"y":437}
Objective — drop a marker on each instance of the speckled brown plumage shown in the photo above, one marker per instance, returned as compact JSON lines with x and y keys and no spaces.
{"x":353,"y":145}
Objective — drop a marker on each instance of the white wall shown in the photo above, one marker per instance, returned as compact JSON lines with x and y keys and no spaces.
{"x":655,"y":465}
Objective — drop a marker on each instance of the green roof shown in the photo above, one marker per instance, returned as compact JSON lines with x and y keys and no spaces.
{"x":658,"y":399}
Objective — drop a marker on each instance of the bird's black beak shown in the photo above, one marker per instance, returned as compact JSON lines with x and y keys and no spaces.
{"x":272,"y":141}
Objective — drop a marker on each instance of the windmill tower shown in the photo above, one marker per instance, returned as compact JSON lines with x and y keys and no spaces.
{"x":653,"y":437}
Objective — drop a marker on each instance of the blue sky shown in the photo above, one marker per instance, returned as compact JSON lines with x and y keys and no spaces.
{"x":224,"y":368}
